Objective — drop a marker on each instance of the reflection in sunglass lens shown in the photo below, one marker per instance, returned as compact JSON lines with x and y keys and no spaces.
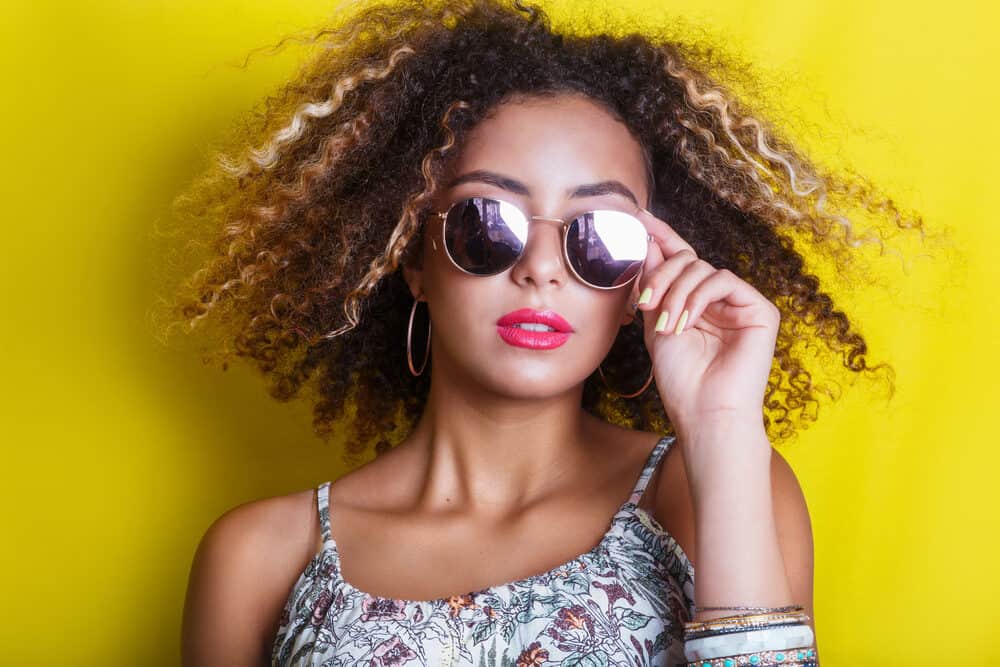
{"x":606,"y":248}
{"x":485,"y":236}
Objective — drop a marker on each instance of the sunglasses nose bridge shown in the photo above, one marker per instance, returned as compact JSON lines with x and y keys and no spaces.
{"x":531,"y":248}
{"x":562,"y":223}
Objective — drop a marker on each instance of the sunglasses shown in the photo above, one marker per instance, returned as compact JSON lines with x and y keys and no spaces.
{"x":605,"y":249}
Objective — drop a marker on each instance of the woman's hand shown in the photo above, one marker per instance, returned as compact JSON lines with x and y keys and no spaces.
{"x":718,"y":365}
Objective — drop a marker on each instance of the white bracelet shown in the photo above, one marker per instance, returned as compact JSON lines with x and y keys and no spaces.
{"x":751,"y":641}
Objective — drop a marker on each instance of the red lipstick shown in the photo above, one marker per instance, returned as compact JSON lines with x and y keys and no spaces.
{"x":534,"y":329}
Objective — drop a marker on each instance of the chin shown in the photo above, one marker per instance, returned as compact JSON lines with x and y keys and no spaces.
{"x":538,"y":383}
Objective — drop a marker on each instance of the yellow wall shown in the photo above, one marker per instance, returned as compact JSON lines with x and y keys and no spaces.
{"x":117,"y":454}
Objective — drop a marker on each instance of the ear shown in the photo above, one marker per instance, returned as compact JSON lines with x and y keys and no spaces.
{"x":633,"y":296}
{"x":414,"y":278}
{"x":412,"y":266}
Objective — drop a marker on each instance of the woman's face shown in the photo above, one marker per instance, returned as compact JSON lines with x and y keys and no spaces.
{"x":534,"y":154}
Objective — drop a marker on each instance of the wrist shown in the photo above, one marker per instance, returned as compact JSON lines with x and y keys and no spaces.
{"x":726,"y":454}
{"x":723,"y":427}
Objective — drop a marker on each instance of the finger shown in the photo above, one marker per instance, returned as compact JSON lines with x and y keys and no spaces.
{"x":659,"y":279}
{"x":669,"y":241}
{"x":654,"y":258}
{"x":736,"y":297}
{"x":677,"y":315}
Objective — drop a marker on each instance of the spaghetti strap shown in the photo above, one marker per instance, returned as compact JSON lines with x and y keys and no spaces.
{"x":323,"y":505}
{"x":647,"y":471}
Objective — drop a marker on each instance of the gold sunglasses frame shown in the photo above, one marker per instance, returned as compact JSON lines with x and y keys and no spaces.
{"x":443,"y":215}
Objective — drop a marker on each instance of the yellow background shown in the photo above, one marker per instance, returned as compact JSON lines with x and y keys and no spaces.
{"x":117,"y":454}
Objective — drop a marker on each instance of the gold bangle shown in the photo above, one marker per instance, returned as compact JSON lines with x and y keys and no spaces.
{"x":729,"y":622}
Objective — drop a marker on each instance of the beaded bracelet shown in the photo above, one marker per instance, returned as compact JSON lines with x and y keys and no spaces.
{"x":797,"y":657}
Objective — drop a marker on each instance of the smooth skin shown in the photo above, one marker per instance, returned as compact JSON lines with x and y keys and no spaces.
{"x":504,"y":476}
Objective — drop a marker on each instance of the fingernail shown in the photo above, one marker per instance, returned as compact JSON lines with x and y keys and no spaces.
{"x":681,"y":323}
{"x":647,"y":294}
{"x":661,"y":322}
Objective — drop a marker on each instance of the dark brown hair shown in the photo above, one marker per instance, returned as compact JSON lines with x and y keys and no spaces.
{"x":308,"y":226}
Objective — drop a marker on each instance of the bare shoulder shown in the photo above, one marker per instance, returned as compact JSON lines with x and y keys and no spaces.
{"x":243,"y":570}
{"x":791,"y":516}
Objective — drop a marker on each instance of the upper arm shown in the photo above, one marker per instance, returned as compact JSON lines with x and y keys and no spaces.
{"x":241,"y":575}
{"x":794,"y":532}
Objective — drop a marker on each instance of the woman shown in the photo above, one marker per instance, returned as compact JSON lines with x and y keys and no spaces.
{"x":542,"y":273}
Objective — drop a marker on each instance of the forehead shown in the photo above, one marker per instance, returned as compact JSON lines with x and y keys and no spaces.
{"x":553,"y":144}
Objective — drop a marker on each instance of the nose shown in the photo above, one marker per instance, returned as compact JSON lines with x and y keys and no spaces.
{"x":542,"y":262}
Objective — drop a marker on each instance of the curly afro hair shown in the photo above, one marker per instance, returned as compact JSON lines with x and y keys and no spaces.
{"x":308,"y":225}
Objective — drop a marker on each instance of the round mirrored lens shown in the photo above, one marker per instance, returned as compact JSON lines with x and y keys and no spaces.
{"x":606,"y":248}
{"x":485,"y":236}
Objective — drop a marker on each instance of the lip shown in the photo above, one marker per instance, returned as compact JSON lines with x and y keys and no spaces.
{"x":536,"y":340}
{"x":529,"y":316}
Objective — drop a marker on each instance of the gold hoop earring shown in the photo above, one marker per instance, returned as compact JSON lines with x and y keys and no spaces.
{"x":611,"y":391}
{"x":409,"y":336}
{"x":644,"y":387}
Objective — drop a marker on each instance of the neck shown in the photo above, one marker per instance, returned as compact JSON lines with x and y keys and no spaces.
{"x":489,"y":454}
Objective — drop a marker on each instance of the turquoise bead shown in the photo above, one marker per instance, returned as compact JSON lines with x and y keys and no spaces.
{"x":754,"y":659}
{"x":730,"y":662}
{"x":706,"y":664}
{"x":780,"y":657}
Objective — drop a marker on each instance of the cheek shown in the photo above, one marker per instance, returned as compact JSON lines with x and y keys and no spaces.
{"x":607,"y":322}
{"x":457,"y":300}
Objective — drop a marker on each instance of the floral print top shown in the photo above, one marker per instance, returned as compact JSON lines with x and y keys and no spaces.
{"x":622,"y":603}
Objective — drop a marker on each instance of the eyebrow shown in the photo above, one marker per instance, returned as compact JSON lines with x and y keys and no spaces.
{"x":512,"y":185}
